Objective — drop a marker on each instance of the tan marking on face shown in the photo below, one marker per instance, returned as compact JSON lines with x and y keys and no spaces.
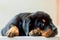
{"x":46,"y":33}
{"x":44,"y":20}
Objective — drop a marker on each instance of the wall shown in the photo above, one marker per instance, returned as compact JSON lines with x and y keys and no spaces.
{"x":9,"y":8}
{"x":58,"y":12}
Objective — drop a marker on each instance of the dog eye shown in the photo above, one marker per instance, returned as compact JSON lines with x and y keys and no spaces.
{"x":43,"y":20}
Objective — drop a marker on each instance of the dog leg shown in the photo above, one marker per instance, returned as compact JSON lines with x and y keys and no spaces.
{"x":13,"y":31}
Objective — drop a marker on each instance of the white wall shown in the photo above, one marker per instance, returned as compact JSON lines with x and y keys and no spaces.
{"x":9,"y":8}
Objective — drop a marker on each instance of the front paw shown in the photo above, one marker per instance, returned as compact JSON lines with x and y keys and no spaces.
{"x":10,"y":34}
{"x":35,"y":32}
{"x":13,"y":31}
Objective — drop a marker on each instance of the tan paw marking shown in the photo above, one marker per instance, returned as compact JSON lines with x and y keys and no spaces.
{"x":35,"y":32}
{"x":13,"y":31}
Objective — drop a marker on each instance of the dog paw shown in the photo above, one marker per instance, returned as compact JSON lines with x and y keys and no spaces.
{"x":31,"y":33}
{"x":35,"y":32}
{"x":13,"y":31}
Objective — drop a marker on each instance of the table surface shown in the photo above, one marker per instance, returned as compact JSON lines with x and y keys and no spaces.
{"x":28,"y":38}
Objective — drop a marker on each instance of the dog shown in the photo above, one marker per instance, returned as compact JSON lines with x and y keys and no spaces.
{"x":30,"y":24}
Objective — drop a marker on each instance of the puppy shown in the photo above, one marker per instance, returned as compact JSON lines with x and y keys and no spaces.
{"x":30,"y":24}
{"x":43,"y":25}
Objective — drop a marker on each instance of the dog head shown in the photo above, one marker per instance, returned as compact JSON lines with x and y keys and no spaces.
{"x":42,"y":21}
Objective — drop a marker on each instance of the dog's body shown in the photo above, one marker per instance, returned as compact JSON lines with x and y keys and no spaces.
{"x":18,"y":21}
{"x":26,"y":22}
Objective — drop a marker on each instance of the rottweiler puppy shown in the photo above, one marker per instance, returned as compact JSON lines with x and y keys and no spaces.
{"x":30,"y":24}
{"x":43,"y":25}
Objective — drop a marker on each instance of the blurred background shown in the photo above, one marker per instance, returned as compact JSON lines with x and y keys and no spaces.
{"x":10,"y":8}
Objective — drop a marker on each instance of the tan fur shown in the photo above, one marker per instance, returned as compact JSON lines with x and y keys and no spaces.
{"x":13,"y":31}
{"x":46,"y":33}
{"x":44,"y":20}
{"x":34,"y":32}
